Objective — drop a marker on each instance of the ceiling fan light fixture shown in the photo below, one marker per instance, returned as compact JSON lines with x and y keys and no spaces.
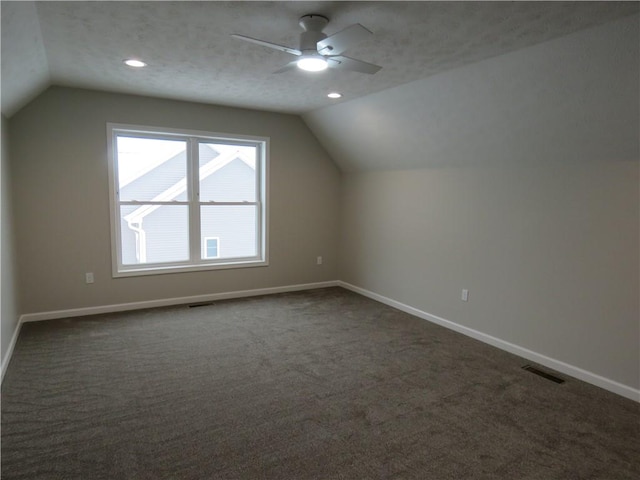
{"x":313,"y":63}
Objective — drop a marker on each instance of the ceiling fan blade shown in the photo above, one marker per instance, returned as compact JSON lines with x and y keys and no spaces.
{"x":267,"y":44}
{"x":339,"y":42}
{"x":287,"y":67}
{"x":346,"y":63}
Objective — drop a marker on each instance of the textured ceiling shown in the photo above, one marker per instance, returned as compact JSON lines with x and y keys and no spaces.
{"x":191,"y":55}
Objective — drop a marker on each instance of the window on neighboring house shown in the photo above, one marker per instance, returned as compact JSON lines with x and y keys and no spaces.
{"x":177,"y":195}
{"x":211,"y":247}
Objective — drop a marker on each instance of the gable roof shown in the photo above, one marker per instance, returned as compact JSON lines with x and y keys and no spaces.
{"x":225,"y":154}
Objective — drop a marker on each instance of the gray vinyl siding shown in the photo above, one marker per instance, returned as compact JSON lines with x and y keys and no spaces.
{"x":233,"y":183}
{"x":164,"y":176}
{"x":237,"y":237}
{"x":167,"y":234}
{"x":166,"y":228}
{"x":157,"y":180}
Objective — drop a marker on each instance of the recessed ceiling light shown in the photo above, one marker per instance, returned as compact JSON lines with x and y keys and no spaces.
{"x":312,"y":63}
{"x":134,"y":63}
{"x":334,"y":95}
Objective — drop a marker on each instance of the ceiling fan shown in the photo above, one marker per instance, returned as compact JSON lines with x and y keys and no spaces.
{"x":318,"y":51}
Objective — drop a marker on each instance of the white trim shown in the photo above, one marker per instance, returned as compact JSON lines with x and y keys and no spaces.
{"x":193,"y":138}
{"x":166,"y":268}
{"x":145,"y":131}
{"x":571,"y":370}
{"x":165,"y":302}
{"x":576,"y":372}
{"x":121,"y":307}
{"x":9,"y":353}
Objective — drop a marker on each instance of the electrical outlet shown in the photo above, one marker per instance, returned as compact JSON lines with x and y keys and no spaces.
{"x":465,"y":295}
{"x":88,"y":277}
{"x":319,"y":261}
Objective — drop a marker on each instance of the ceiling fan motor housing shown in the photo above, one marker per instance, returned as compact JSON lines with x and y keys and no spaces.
{"x":313,"y":25}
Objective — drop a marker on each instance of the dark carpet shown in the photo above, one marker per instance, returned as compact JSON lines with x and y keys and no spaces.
{"x":323,"y":384}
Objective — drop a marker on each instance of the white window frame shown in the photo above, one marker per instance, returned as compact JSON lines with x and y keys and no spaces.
{"x":196,"y":261}
{"x":205,"y":247}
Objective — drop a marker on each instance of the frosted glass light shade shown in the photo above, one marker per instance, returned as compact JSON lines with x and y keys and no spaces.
{"x":312,"y":63}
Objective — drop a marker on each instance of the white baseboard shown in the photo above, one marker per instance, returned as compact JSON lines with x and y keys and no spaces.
{"x":9,"y":352}
{"x":166,"y":302}
{"x":573,"y":371}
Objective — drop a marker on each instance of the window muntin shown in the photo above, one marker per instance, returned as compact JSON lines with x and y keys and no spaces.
{"x":173,"y":191}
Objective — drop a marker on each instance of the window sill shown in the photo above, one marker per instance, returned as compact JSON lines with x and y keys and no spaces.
{"x":160,"y":270}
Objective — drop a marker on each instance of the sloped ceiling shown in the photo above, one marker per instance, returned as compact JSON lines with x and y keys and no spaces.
{"x":191,"y":55}
{"x":572,"y":99}
{"x":25,"y":70}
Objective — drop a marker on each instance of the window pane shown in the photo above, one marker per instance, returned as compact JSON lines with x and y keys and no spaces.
{"x":227,"y":173}
{"x":151,"y":169}
{"x":234,"y":226}
{"x":210,"y":248}
{"x":154,"y":234}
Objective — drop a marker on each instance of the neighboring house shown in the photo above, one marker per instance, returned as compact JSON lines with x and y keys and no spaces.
{"x":154,"y":233}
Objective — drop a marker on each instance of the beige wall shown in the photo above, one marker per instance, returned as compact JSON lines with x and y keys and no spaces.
{"x":59,"y":174}
{"x":529,"y":199}
{"x":8,"y":296}
{"x":549,"y":255}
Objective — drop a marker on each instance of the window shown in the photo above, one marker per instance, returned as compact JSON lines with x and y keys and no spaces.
{"x":211,"y":247}
{"x":177,"y":195}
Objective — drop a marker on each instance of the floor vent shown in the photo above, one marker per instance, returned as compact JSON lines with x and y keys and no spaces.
{"x":203,"y":304}
{"x":542,"y":374}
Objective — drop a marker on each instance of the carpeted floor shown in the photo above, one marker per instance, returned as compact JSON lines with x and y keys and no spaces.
{"x":323,"y":384}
